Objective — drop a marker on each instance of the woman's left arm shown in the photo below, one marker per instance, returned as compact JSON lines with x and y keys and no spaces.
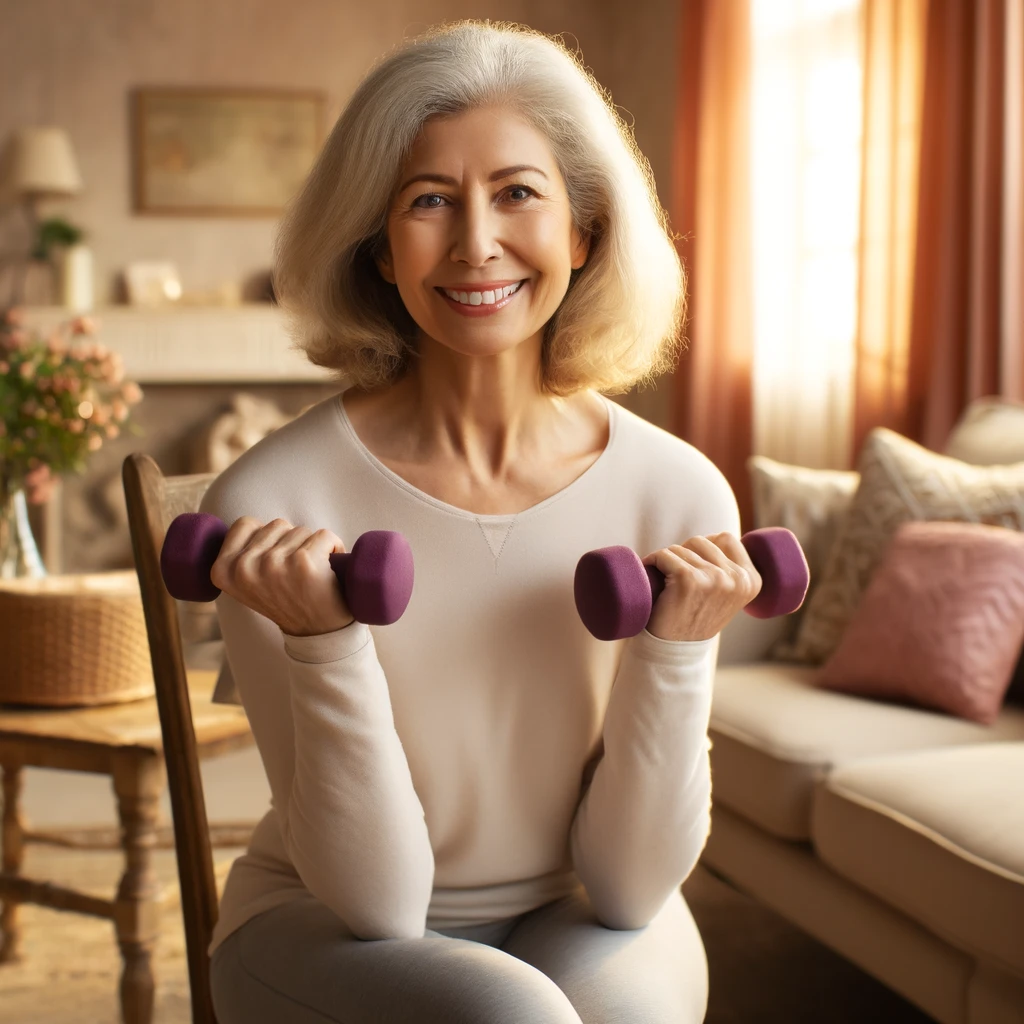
{"x":643,"y":821}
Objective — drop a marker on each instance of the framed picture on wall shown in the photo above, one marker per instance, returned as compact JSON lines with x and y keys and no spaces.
{"x":222,"y":152}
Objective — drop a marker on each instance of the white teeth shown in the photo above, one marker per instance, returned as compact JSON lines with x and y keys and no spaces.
{"x":482,"y":298}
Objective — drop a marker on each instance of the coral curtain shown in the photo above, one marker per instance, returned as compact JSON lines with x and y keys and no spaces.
{"x":966,"y":281}
{"x":894,"y":56}
{"x":1013,"y":208}
{"x":939,"y":293}
{"x":712,"y":405}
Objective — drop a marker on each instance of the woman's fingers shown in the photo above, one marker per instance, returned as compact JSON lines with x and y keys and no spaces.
{"x":313,"y":549}
{"x":726,"y":551}
{"x":321,"y":542}
{"x":236,"y":540}
{"x":707,"y":580}
{"x":249,"y":542}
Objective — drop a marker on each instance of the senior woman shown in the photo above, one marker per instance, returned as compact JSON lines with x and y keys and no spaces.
{"x":480,"y":813}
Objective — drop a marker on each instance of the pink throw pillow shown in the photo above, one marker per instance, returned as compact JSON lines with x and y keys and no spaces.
{"x":941,"y":622}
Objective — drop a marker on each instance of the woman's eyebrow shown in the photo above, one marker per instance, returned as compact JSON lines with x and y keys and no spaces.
{"x":505,"y":172}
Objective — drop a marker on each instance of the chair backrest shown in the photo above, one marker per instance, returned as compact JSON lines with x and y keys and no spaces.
{"x":153,"y":500}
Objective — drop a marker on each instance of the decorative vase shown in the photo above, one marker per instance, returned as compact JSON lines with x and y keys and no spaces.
{"x":76,"y":278}
{"x":19,"y":555}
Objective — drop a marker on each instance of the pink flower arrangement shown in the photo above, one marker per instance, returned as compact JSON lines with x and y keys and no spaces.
{"x":61,"y":398}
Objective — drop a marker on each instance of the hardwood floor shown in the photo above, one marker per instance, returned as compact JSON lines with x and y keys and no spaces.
{"x":763,"y":970}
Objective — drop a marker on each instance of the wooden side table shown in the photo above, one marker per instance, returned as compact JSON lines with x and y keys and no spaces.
{"x":124,"y":742}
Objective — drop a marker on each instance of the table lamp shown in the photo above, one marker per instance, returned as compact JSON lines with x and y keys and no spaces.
{"x":41,"y":165}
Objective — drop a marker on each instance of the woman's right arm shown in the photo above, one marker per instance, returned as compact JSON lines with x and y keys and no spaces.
{"x":320,"y":711}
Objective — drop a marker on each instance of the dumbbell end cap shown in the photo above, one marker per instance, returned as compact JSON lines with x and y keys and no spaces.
{"x":379,"y":577}
{"x":777,"y":555}
{"x":612,"y":589}
{"x":190,"y":548}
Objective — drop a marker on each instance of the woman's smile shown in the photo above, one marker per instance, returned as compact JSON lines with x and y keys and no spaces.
{"x":481,"y":202}
{"x":475,"y":304}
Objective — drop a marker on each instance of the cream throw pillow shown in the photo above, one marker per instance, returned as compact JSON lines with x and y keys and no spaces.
{"x":900,"y":481}
{"x":991,"y":430}
{"x":811,"y":503}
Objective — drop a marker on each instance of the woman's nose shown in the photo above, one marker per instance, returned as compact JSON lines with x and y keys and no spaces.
{"x":477,"y":227}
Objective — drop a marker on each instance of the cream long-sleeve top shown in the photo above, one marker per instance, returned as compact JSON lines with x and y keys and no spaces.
{"x":484,"y":754}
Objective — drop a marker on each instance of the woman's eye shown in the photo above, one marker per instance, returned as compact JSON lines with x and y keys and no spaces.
{"x":427,"y":195}
{"x":419,"y":204}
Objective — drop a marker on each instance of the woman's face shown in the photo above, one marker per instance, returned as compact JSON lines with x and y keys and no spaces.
{"x":470,"y":217}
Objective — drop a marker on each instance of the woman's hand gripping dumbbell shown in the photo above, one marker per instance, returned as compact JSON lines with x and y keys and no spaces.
{"x":706,"y":581}
{"x":299,"y":578}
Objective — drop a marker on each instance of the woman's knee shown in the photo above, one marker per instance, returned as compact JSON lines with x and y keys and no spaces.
{"x":651,"y":975}
{"x":296,"y":966}
{"x":238,"y":997}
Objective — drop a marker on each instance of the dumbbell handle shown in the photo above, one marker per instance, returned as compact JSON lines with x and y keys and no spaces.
{"x":778,"y":596}
{"x":615,"y":591}
{"x":375,"y":577}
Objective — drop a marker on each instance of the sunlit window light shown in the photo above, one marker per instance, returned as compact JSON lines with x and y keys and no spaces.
{"x":806,"y":125}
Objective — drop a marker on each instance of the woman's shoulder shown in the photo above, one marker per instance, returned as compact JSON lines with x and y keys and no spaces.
{"x":264,"y":476}
{"x":652,"y":442}
{"x":676,"y":476}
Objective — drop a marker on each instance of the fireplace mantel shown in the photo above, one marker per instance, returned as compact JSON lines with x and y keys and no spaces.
{"x":194,"y":344}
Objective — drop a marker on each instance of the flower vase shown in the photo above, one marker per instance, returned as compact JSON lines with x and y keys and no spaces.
{"x":19,"y":555}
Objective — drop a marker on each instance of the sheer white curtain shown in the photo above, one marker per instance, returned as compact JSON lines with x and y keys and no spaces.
{"x":806,"y":141}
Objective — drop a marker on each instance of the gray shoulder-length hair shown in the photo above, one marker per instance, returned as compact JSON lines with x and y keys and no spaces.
{"x":621,"y":319}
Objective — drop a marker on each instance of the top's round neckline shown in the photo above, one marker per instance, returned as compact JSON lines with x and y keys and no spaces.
{"x":429,"y":499}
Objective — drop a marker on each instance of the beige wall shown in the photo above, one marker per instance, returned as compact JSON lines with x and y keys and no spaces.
{"x":73,"y":64}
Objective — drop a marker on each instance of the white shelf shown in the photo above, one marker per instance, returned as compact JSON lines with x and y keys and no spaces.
{"x":194,"y":344}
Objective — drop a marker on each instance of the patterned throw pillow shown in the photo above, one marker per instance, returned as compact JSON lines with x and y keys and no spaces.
{"x":940,"y":624}
{"x":811,"y":503}
{"x":900,"y":481}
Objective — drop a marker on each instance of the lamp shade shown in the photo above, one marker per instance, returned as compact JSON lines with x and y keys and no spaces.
{"x":43,"y":162}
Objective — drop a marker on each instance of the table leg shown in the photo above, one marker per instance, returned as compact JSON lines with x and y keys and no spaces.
{"x":12,"y":847}
{"x":138,"y":782}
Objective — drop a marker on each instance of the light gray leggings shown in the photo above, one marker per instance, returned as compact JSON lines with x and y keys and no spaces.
{"x":299,"y":964}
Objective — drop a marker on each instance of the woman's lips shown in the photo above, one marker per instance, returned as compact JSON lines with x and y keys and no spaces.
{"x":466,"y":310}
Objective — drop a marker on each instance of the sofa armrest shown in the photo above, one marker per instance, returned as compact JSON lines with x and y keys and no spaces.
{"x":746,"y":639}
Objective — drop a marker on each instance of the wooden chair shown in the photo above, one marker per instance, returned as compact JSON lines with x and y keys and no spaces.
{"x":153,"y":500}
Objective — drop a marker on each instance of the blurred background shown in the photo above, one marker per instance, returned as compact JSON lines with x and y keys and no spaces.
{"x":844,"y":182}
{"x":844,"y":177}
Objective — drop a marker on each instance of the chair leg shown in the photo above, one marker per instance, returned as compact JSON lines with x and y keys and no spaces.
{"x":12,"y":849}
{"x":138,"y":782}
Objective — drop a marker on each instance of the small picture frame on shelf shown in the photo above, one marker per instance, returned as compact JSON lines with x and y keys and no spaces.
{"x":152,"y":284}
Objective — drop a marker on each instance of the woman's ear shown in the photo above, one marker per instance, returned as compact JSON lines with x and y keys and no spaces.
{"x":383,"y":262}
{"x":581,"y":248}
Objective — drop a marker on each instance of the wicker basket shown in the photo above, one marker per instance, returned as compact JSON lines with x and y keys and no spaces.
{"x":73,"y":640}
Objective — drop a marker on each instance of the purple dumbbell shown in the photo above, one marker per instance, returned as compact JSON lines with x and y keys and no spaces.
{"x":615,"y":591}
{"x":376,"y":577}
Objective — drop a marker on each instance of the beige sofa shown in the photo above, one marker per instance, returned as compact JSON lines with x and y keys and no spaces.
{"x":893,"y":835}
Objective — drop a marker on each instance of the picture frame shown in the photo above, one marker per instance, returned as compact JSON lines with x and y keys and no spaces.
{"x":152,"y":283}
{"x":222,"y":152}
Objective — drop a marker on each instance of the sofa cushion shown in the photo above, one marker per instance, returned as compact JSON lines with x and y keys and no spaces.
{"x":995,"y":996}
{"x":811,"y":503}
{"x":938,"y":834}
{"x":940,"y":624}
{"x":774,"y":735}
{"x":899,"y":481}
{"x":990,"y":431}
